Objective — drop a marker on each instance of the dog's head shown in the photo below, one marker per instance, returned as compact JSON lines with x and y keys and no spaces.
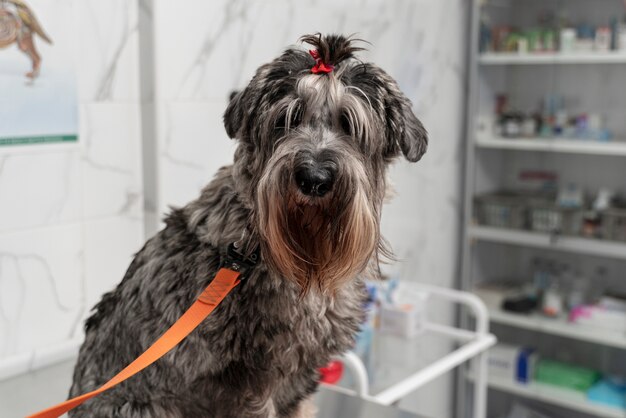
{"x":317,"y":130}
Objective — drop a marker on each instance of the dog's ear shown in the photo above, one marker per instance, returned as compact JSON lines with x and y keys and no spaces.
{"x":404,"y":128}
{"x":413,"y":139}
{"x":233,"y":116}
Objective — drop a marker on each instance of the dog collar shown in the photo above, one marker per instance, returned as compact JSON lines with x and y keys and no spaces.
{"x":235,"y":258}
{"x":320,"y":66}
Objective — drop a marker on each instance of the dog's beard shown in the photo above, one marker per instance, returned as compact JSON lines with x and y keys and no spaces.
{"x":318,"y":245}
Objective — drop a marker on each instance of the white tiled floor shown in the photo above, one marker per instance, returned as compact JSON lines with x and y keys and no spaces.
{"x":31,"y":392}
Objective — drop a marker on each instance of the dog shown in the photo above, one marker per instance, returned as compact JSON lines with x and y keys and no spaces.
{"x":316,"y":132}
{"x":18,"y":24}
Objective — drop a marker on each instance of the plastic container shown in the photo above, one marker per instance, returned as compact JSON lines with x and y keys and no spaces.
{"x":614,"y":224}
{"x":610,"y":392}
{"x":549,"y":217}
{"x":501,"y":210}
{"x":568,"y":39}
{"x":577,"y":294}
{"x":404,"y":312}
{"x":602,"y":41}
{"x":620,"y":34}
{"x":552,"y":302}
{"x":332,"y":372}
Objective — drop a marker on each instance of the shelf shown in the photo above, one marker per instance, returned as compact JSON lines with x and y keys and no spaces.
{"x":508,"y":58}
{"x":559,"y":326}
{"x":577,"y":245}
{"x":572,"y":146}
{"x":556,"y":396}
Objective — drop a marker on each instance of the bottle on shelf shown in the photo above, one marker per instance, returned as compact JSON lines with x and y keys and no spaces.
{"x":552,"y":302}
{"x":621,"y":35}
{"x":599,"y":282}
{"x":540,"y":279}
{"x":577,"y":294}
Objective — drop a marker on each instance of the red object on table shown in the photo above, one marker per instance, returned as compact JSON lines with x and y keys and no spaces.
{"x":332,"y":372}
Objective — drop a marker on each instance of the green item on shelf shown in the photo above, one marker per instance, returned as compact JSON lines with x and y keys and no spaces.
{"x":565,"y":375}
{"x":549,"y":40}
{"x":534,"y":40}
{"x":511,"y":44}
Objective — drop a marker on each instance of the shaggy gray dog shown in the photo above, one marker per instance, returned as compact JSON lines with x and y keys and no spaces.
{"x":306,"y":188}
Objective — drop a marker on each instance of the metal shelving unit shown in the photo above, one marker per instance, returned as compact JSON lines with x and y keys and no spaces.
{"x":616,"y":148}
{"x":559,"y":326}
{"x":551,"y":59}
{"x":488,"y":164}
{"x":553,"y":242}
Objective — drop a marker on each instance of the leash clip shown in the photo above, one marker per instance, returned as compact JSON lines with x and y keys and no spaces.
{"x":235,"y":259}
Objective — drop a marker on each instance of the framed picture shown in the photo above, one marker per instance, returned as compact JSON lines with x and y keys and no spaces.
{"x":38,"y":99}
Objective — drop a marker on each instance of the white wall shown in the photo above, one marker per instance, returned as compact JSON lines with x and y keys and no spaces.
{"x":205,"y":51}
{"x":72,"y":213}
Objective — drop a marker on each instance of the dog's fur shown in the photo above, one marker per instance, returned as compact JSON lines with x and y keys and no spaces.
{"x":258,"y":354}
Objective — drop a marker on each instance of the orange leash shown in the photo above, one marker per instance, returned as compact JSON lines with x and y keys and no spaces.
{"x":222,"y":284}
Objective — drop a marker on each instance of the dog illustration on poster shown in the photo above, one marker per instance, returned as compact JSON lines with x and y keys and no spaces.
{"x":19,"y":25}
{"x":37,"y":78}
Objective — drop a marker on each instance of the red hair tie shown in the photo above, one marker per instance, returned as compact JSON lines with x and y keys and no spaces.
{"x":320,"y":66}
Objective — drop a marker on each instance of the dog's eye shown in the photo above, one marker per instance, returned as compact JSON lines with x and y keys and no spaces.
{"x":289,"y":120}
{"x":296,"y":118}
{"x":345,"y":124}
{"x":281,"y":121}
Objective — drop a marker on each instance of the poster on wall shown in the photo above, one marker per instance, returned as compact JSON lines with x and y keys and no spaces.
{"x":38,"y":98}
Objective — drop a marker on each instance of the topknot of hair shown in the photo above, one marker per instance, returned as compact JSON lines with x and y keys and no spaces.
{"x":333,"y":49}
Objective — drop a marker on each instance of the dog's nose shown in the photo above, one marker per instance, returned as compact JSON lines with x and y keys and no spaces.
{"x":313,"y":181}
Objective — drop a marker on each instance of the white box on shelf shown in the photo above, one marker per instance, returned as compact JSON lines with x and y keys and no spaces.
{"x":511,"y":362}
{"x":600,"y":318}
{"x":404,"y":319}
{"x":613,"y":303}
